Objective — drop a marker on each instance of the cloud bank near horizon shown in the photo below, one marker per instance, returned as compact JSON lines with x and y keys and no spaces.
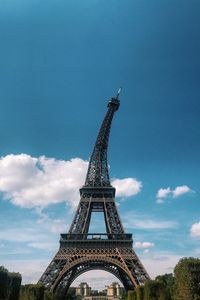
{"x":31,"y":182}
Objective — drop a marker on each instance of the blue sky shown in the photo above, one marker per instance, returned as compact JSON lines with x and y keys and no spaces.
{"x":60,"y":62}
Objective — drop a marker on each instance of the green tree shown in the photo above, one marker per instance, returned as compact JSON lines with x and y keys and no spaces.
{"x":131,"y":295}
{"x":187,"y":279}
{"x":168,"y":281}
{"x":124,"y":294}
{"x":3,"y":283}
{"x":48,"y":296}
{"x":140,"y":292}
{"x":154,"y":290}
{"x":14,"y":284}
{"x":71,"y":294}
{"x":22,"y":294}
{"x":32,"y":292}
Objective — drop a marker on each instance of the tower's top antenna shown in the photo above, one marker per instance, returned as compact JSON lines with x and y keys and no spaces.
{"x":119,"y":91}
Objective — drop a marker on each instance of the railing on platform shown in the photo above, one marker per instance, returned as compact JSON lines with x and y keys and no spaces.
{"x":95,"y":237}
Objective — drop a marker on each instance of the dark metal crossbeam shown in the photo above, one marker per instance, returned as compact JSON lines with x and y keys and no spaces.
{"x":95,"y":236}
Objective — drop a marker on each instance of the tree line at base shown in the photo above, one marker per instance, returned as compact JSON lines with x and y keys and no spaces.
{"x":183,"y":285}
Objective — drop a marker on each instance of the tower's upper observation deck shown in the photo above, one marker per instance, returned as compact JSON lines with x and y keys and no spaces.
{"x":114,"y":103}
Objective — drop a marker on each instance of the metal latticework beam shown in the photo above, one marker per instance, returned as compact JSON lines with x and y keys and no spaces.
{"x":86,"y":206}
{"x":97,"y":175}
{"x":70,"y":262}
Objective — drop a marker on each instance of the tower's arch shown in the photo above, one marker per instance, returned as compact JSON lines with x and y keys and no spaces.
{"x":82,"y":265}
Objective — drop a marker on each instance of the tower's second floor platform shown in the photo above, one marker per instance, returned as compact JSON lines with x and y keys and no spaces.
{"x":96,"y":240}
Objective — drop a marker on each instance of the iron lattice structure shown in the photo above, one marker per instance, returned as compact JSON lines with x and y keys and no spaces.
{"x":111,"y":251}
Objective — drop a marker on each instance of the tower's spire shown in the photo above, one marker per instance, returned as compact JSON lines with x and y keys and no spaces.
{"x":98,"y":175}
{"x":119,"y":91}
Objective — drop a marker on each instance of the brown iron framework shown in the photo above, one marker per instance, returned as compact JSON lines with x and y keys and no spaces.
{"x":111,"y":251}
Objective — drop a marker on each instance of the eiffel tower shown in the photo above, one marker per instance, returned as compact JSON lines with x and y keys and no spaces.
{"x":81,"y":251}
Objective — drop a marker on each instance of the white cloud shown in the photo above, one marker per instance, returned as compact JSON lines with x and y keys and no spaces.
{"x":131,"y":221}
{"x":177,"y":192}
{"x":195,"y":230}
{"x":197,"y":252}
{"x":58,"y":226}
{"x":53,"y":225}
{"x":21,"y":235}
{"x":127,"y":187}
{"x":160,"y":263}
{"x":181,"y":190}
{"x":154,"y":224}
{"x":142,"y":245}
{"x":14,"y":251}
{"x":36,"y":235}
{"x":38,"y":182}
{"x":44,"y":246}
{"x":30,"y":182}
{"x":97,"y":279}
{"x":160,"y":201}
{"x":162,"y":193}
{"x":146,"y":251}
{"x":31,"y":270}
